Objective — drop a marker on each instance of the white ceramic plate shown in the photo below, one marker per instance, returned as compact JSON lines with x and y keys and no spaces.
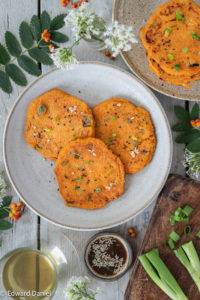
{"x":33,"y":177}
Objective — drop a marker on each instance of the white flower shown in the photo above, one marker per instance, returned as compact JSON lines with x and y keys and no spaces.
{"x":192,"y":162}
{"x":85,"y":23}
{"x":64,"y":58}
{"x":119,"y":38}
{"x":3,"y":186}
{"x":77,"y":289}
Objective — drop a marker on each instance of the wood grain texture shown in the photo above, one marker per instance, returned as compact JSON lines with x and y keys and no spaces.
{"x":177,"y":192}
{"x":27,"y":231}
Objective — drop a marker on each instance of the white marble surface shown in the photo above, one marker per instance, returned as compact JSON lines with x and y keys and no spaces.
{"x":31,"y":230}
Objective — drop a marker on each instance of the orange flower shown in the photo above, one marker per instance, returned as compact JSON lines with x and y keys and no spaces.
{"x":64,"y":3}
{"x":78,"y":3}
{"x":195,"y":123}
{"x":46,"y":35}
{"x":16,"y":210}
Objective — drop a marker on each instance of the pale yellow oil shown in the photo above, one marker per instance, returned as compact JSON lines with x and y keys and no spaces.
{"x":29,"y":271}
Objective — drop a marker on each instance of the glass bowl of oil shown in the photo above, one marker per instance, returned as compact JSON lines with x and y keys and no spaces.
{"x":27,"y":273}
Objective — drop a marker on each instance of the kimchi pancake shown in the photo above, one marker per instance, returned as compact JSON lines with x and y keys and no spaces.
{"x":54,"y":119}
{"x":89,"y":175}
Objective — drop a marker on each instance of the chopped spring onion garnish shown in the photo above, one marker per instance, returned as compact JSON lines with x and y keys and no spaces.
{"x":187,"y":229}
{"x":171,"y":244}
{"x":181,"y":214}
{"x":189,"y":258}
{"x":179,"y":16}
{"x":196,"y":36}
{"x":174,"y":236}
{"x":167,"y":31}
{"x":187,"y":210}
{"x":177,"y":67}
{"x":185,"y":50}
{"x":170,"y":56}
{"x":161,"y":276}
{"x":198,"y":234}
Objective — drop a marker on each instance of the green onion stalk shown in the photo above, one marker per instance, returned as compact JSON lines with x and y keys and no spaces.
{"x":189,"y":258}
{"x":161,"y":276}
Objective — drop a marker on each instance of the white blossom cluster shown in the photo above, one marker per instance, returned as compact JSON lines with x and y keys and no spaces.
{"x":77,"y":289}
{"x":192,"y":162}
{"x":86,"y":24}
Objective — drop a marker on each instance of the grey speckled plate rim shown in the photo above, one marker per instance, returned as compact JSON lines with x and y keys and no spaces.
{"x":20,"y":193}
{"x":126,"y":60}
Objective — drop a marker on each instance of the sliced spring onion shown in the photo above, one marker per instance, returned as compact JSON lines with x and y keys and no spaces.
{"x":187,"y":229}
{"x":171,"y":244}
{"x":185,"y":50}
{"x":195,"y":36}
{"x":187,"y":210}
{"x":179,"y":16}
{"x":189,"y":258}
{"x":181,"y":214}
{"x":170,"y":56}
{"x":174,"y":236}
{"x":198,"y":234}
{"x":167,"y":31}
{"x":161,"y":276}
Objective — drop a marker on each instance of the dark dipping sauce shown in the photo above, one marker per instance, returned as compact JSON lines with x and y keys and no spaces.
{"x":107,"y":256}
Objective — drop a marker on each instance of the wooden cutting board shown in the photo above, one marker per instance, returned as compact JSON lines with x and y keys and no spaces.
{"x":178,"y":191}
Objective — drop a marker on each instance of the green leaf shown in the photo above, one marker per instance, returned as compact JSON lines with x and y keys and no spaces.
{"x":59,"y":37}
{"x":45,"y":20}
{"x":40,"y":56}
{"x":194,"y":114}
{"x":181,"y":113}
{"x":4,"y":225}
{"x":4,"y":56}
{"x":12,"y":44}
{"x":6,"y":201}
{"x":5,"y":84}
{"x":36,"y":27}
{"x":58,"y":22}
{"x":194,"y":146}
{"x":29,"y":65}
{"x":181,"y":127}
{"x":26,"y":36}
{"x":16,"y":74}
{"x":187,"y":138}
{"x":3,"y":213}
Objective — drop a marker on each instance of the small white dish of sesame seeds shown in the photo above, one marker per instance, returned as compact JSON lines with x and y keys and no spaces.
{"x":33,"y":177}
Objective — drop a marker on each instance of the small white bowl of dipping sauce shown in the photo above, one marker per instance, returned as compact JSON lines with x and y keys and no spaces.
{"x":108,"y":256}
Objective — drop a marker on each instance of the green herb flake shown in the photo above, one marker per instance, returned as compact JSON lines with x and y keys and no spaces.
{"x":78,"y":179}
{"x":167,"y":31}
{"x":114,"y":117}
{"x":179,"y":16}
{"x":195,"y":36}
{"x":198,"y":234}
{"x":185,"y":50}
{"x":174,"y":236}
{"x":177,"y":67}
{"x":42,"y":109}
{"x":98,"y":190}
{"x":77,"y":188}
{"x":170,"y":56}
{"x":88,"y":161}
